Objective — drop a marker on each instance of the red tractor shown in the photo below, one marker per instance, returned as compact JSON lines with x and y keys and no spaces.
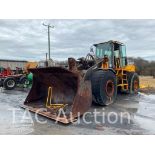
{"x":9,"y":79}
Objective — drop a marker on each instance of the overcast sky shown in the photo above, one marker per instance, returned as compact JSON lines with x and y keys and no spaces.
{"x":27,"y":39}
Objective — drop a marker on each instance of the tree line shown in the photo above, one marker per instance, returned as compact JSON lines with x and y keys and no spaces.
{"x":144,"y":67}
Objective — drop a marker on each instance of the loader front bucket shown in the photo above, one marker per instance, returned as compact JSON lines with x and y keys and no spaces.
{"x":59,"y":94}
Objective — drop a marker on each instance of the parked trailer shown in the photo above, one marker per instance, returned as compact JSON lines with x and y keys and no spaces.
{"x":9,"y":79}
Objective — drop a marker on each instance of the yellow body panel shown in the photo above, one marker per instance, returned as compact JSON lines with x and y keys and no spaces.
{"x":130,"y":68}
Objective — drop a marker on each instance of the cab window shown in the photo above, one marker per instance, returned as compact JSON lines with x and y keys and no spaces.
{"x":104,"y":49}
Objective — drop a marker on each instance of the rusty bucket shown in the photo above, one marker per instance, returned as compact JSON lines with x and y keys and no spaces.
{"x":58,"y":93}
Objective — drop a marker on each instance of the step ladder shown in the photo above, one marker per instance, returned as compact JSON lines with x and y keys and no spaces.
{"x":124,"y":81}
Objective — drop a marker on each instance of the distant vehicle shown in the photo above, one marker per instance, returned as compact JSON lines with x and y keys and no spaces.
{"x":9,"y":79}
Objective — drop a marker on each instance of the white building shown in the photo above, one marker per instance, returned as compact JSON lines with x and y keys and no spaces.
{"x":12,"y":63}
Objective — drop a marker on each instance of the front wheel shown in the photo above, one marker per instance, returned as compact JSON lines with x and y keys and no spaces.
{"x":104,"y":87}
{"x":24,"y":80}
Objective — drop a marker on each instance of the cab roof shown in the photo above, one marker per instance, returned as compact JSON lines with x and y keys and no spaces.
{"x":110,"y":41}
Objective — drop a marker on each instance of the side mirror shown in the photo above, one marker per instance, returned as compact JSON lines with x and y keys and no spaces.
{"x":91,"y":49}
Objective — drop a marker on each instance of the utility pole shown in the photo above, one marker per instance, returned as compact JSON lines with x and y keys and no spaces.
{"x":46,"y":56}
{"x":46,"y":62}
{"x":49,"y":46}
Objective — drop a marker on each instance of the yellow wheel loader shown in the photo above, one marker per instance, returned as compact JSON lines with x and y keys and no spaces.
{"x":63,"y":94}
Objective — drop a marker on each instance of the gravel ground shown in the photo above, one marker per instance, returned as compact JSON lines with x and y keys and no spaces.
{"x":139,"y":117}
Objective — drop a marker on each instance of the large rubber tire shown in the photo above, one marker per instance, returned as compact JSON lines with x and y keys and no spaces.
{"x":104,"y":87}
{"x":9,"y":83}
{"x":133,"y":82}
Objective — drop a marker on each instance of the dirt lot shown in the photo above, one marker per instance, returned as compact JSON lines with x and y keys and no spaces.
{"x":141,"y":119}
{"x":147,"y":81}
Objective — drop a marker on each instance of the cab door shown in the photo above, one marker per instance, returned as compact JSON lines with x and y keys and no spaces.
{"x":123,"y":55}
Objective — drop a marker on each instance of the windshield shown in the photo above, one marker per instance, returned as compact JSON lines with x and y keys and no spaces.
{"x":103,"y":49}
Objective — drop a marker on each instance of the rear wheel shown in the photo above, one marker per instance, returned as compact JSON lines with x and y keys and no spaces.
{"x":104,"y":87}
{"x":24,"y":80}
{"x":9,"y":83}
{"x":133,"y":82}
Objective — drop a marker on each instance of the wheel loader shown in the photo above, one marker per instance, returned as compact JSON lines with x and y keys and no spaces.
{"x":63,"y":94}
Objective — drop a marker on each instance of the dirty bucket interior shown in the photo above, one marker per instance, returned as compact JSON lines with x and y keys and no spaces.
{"x":62,"y":83}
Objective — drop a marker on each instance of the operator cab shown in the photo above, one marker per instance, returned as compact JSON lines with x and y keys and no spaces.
{"x":113,"y":52}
